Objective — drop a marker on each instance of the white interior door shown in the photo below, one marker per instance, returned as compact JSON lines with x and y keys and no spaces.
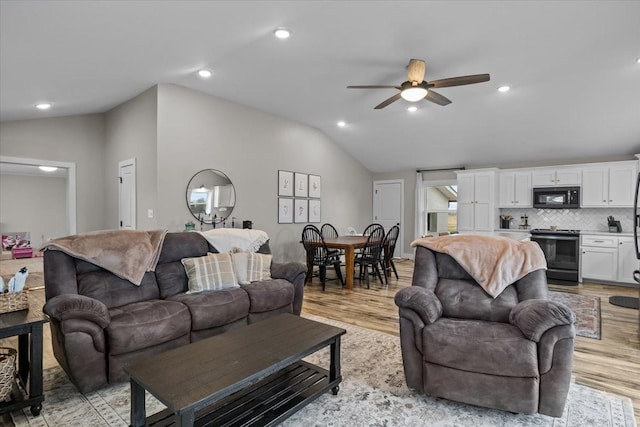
{"x":388,"y":203}
{"x":127,"y":194}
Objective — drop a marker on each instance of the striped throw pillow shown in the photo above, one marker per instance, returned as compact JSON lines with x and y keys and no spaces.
{"x":251,"y":266}
{"x":212,"y":272}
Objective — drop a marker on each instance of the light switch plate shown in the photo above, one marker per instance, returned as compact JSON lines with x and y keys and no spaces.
{"x":149,"y":213}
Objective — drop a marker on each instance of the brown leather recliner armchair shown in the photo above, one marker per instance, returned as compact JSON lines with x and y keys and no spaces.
{"x":513,"y":353}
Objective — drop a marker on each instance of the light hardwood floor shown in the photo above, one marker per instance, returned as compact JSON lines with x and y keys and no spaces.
{"x":610,"y":364}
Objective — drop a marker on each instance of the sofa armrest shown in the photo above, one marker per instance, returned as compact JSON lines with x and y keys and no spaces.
{"x":424,"y":302}
{"x":70,"y":306}
{"x":294,"y":272}
{"x":289,"y":271}
{"x":536,"y":316}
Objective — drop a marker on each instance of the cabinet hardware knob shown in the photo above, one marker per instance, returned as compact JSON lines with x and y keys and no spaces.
{"x":604,"y":201}
{"x":610,"y":201}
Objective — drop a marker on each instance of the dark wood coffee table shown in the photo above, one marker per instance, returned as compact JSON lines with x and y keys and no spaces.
{"x":253,"y":375}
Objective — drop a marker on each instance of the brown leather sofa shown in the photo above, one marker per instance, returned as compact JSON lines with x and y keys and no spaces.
{"x":100,"y":322}
{"x":513,"y":353}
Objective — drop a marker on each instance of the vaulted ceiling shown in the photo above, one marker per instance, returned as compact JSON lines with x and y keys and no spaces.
{"x":575,"y":82}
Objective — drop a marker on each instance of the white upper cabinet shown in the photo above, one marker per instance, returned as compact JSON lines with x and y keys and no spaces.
{"x":476,"y":201}
{"x":515,"y":189}
{"x":609,"y":185}
{"x":557,"y":177}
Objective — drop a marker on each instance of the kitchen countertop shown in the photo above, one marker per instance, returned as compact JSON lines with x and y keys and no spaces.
{"x":606,"y":233}
{"x":520,"y":235}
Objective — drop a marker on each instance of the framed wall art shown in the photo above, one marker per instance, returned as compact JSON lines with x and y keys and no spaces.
{"x":300,"y":208}
{"x":285,"y":183}
{"x":301,"y":185}
{"x":314,"y":211}
{"x":314,"y":186}
{"x":285,"y":211}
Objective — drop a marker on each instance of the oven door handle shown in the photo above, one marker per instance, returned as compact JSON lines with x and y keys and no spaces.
{"x":541,"y":237}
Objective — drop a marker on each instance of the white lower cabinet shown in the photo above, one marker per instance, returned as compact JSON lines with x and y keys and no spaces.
{"x":608,"y":258}
{"x":627,"y":261}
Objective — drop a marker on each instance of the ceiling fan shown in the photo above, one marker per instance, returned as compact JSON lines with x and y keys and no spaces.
{"x":416,"y":88}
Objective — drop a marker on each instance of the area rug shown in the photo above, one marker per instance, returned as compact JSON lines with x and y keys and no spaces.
{"x":373,"y":393}
{"x":587,"y":310}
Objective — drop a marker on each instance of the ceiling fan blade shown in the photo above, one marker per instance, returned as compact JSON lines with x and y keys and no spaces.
{"x":435,"y":97}
{"x":388,"y":101}
{"x":374,"y":87}
{"x":459,"y":81}
{"x":416,"y":70}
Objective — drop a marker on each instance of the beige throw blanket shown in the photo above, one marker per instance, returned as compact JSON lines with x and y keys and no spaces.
{"x":126,"y":253}
{"x":494,"y":262}
{"x":228,"y":239}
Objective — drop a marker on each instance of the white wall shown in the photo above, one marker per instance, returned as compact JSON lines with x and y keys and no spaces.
{"x":73,"y":139}
{"x":131,"y":132}
{"x":198,"y":131}
{"x":34,"y":204}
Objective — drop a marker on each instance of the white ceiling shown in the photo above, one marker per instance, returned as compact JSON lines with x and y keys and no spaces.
{"x":576,"y":85}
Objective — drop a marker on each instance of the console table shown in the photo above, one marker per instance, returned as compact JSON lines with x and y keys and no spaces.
{"x":27,"y":326}
{"x":252,"y":375}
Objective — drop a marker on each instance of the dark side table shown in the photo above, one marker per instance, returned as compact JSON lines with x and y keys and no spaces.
{"x":27,"y":326}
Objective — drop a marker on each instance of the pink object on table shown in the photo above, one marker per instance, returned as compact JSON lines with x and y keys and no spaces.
{"x":21,"y":252}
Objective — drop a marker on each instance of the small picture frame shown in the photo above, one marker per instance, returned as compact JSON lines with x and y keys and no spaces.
{"x":314,"y":211}
{"x":285,"y":211}
{"x":285,"y":183}
{"x":301,"y":185}
{"x":300,"y":208}
{"x":314,"y":186}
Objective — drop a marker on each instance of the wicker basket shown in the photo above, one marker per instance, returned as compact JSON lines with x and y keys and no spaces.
{"x":14,"y":301}
{"x":7,"y":372}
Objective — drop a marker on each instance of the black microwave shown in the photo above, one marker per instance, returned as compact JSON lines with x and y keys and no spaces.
{"x":556,"y":198}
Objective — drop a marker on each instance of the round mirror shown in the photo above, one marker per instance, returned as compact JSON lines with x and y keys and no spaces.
{"x":210,"y":196}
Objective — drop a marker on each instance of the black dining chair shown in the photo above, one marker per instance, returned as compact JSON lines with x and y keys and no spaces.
{"x":371,"y":255}
{"x":328,"y":231}
{"x":318,"y":254}
{"x":389,"y":248}
{"x":371,"y":227}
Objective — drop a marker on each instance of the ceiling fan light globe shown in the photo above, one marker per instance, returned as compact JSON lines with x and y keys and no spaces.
{"x":413,"y":94}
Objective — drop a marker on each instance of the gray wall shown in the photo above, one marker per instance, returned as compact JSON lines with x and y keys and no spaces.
{"x":131,"y":132}
{"x":197,"y":131}
{"x":34,"y":204}
{"x":73,"y":139}
{"x":174,"y":132}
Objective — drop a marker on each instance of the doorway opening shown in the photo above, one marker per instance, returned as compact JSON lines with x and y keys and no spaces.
{"x":30,"y":197}
{"x":439,"y":212}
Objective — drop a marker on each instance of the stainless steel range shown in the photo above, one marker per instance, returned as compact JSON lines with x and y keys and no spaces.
{"x":562,"y":250}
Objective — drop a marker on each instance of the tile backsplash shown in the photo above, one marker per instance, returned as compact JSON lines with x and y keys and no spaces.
{"x":592,"y":219}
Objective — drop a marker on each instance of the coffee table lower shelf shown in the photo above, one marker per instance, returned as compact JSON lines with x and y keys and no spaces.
{"x":267,"y":402}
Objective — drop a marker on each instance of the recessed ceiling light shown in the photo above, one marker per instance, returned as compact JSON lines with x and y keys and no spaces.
{"x":638,"y":60}
{"x":282,"y":33}
{"x":504,"y":88}
{"x":48,"y":168}
{"x":412,"y":109}
{"x":341,"y":124}
{"x":205,"y":74}
{"x":43,"y":106}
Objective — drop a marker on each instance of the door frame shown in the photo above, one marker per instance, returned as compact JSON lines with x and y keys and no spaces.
{"x":134,"y":207}
{"x":71,"y":184}
{"x":400,"y":242}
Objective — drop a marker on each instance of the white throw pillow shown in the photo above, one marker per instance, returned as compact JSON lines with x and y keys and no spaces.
{"x":212,"y":272}
{"x":251,"y":266}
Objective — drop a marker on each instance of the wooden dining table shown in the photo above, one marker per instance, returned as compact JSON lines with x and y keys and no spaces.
{"x":349,"y":244}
